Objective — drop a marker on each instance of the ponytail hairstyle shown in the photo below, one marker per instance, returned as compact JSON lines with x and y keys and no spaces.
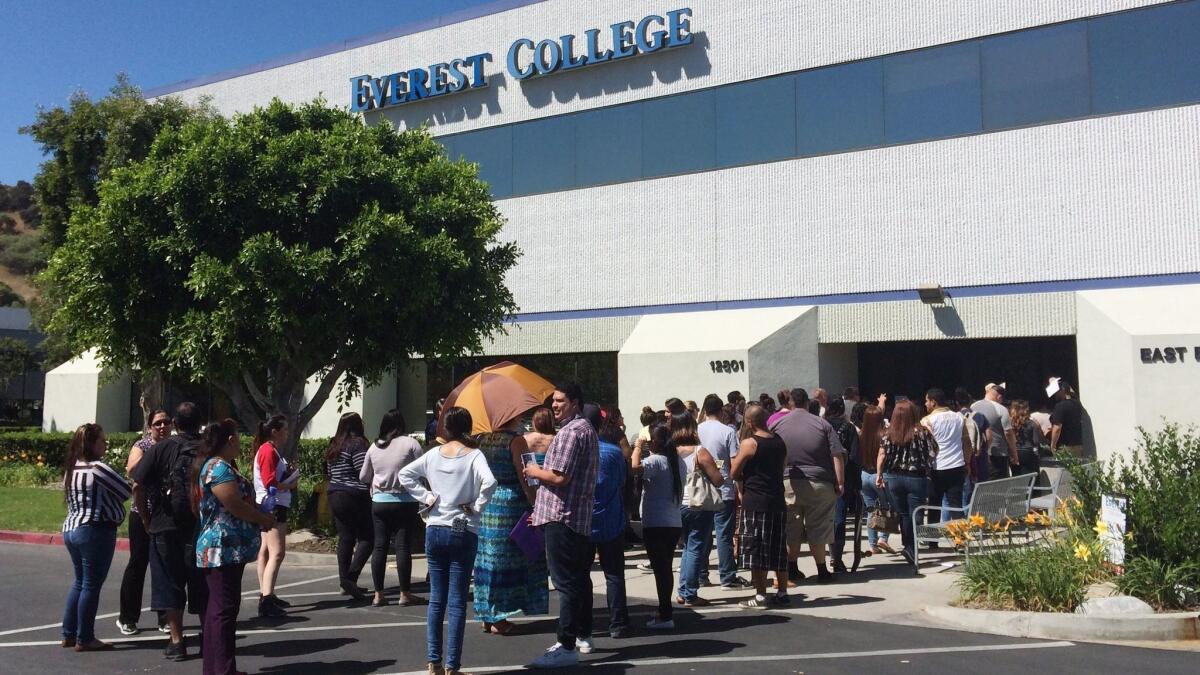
{"x":82,"y":447}
{"x":349,"y":427}
{"x":458,"y":423}
{"x":216,"y":437}
{"x":266,"y":428}
{"x":390,"y":427}
{"x":661,"y":444}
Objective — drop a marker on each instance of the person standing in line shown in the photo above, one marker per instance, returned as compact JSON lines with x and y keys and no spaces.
{"x":816,"y":478}
{"x":431,"y":426}
{"x":1003,"y":452}
{"x":785,"y":407}
{"x":460,"y":486}
{"x":738,"y":401}
{"x":95,"y":497}
{"x":697,"y":523}
{"x":350,"y":502}
{"x":822,"y":399}
{"x":691,"y":407}
{"x":1029,"y":439}
{"x":762,"y":541}
{"x":563,"y":509}
{"x":227,"y":539}
{"x":661,"y":476}
{"x":722,"y":443}
{"x":158,"y":427}
{"x":869,"y":436}
{"x":1066,"y":420}
{"x":903,"y":466}
{"x":272,"y":470}
{"x":393,"y":510}
{"x":607,"y":540}
{"x":981,"y":442}
{"x":768,"y":403}
{"x":507,"y":582}
{"x":950,"y":470}
{"x":847,"y":435}
{"x":851,"y":396}
{"x":163,"y":493}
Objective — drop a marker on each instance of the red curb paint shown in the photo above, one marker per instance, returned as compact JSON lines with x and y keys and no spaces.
{"x":46,"y":539}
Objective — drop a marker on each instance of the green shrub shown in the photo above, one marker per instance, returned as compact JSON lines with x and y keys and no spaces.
{"x":23,"y":254}
{"x":1051,"y":575}
{"x":1164,"y":585}
{"x":28,"y":475}
{"x":1161,"y":477}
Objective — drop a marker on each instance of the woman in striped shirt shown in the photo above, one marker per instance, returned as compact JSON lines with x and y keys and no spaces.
{"x":95,"y":496}
{"x":350,"y":501}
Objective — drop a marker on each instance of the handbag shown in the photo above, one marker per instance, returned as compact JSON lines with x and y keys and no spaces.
{"x":702,"y":494}
{"x":883,"y":517}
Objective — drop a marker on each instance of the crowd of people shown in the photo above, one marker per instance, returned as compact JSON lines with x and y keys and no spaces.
{"x":510,"y":509}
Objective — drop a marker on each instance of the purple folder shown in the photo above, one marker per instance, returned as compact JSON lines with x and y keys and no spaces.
{"x":528,"y":538}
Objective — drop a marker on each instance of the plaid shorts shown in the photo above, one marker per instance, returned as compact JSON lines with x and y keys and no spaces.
{"x":762,"y":541}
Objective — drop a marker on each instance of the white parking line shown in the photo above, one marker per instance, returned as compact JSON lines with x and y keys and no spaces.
{"x":254,"y":631}
{"x":724,"y":659}
{"x":14,"y":631}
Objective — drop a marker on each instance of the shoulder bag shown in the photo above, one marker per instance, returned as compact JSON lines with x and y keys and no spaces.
{"x":702,"y":494}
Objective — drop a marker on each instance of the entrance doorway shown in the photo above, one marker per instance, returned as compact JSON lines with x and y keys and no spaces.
{"x":910,"y":368}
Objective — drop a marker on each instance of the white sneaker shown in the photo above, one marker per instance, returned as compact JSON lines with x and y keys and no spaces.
{"x":645,"y":567}
{"x":583,"y":645}
{"x":656,"y":623}
{"x":127,"y":628}
{"x":557,"y":656}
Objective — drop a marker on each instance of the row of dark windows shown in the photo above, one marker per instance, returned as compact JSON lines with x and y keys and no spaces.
{"x":1133,"y":60}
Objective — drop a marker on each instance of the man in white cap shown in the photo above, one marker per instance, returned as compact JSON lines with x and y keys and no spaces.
{"x":1003,"y":452}
{"x":1066,"y":420}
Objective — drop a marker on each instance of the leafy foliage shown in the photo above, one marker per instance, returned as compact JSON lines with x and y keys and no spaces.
{"x":9,"y":297}
{"x":245,"y":230}
{"x":15,"y":358}
{"x":22,"y":253}
{"x":1162,"y":584}
{"x":1161,"y":477}
{"x":1050,"y":575}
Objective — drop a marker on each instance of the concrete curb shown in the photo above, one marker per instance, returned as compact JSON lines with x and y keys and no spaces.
{"x":1050,"y":625}
{"x":46,"y":539}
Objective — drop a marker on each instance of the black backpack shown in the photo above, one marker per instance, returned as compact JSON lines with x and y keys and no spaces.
{"x":177,"y":484}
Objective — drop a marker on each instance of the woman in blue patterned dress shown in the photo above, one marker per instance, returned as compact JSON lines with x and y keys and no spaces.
{"x":506,"y":582}
{"x":227,"y":538}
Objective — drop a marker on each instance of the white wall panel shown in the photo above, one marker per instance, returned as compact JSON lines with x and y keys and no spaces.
{"x":736,"y":41}
{"x":1096,"y":198}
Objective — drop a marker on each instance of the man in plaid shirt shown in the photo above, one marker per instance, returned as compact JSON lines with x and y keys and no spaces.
{"x":563,"y":510}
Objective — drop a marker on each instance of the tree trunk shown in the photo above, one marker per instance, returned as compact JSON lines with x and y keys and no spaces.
{"x":154,"y":389}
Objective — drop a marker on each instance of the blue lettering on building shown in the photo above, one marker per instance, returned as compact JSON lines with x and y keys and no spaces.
{"x":526,"y":58}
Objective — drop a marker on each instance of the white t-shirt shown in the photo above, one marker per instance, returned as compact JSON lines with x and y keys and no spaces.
{"x":947,"y":428}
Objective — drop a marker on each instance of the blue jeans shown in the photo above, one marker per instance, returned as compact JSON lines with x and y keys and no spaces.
{"x":906,"y":493}
{"x":91,"y":548}
{"x":725,"y":522}
{"x":451,"y":557}
{"x":870,"y":496}
{"x":697,"y":544}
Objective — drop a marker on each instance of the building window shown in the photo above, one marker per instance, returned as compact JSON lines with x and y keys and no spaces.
{"x":755,"y":121}
{"x":932,"y":93}
{"x":1035,"y":76}
{"x":1145,"y":59}
{"x":544,"y":155}
{"x":840,"y":108}
{"x":679,"y":134}
{"x":608,"y":145}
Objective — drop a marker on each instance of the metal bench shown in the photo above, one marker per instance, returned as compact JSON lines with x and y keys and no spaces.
{"x":1061,"y":487}
{"x":995,"y":500}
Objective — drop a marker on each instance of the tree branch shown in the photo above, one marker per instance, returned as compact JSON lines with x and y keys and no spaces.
{"x":256,"y":394}
{"x":322,"y":394}
{"x":241,"y":402}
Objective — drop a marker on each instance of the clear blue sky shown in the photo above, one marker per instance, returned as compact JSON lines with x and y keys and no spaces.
{"x":53,"y":47}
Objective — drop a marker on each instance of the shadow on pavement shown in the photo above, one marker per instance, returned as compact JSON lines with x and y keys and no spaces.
{"x":290,"y":648}
{"x":327,"y":668}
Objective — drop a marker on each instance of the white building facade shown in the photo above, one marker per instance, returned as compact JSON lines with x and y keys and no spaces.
{"x":747,"y":196}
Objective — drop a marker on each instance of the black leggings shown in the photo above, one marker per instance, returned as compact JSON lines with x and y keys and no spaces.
{"x":660,"y":549}
{"x":352,"y":517}
{"x":135,"y":571}
{"x":399,"y":520}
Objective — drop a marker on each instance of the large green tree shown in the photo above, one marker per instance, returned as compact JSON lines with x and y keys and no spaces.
{"x":289,"y":244}
{"x":83,"y":143}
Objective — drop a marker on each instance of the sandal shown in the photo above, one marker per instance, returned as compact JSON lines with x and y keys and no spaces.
{"x":884,"y":546}
{"x":509,"y":628}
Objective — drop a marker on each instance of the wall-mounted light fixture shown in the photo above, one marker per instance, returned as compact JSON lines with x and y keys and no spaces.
{"x":932,"y":294}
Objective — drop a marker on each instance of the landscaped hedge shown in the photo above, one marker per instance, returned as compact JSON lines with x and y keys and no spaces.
{"x":49,"y":449}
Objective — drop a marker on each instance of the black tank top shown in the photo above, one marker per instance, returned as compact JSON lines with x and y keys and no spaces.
{"x":762,"y":476}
